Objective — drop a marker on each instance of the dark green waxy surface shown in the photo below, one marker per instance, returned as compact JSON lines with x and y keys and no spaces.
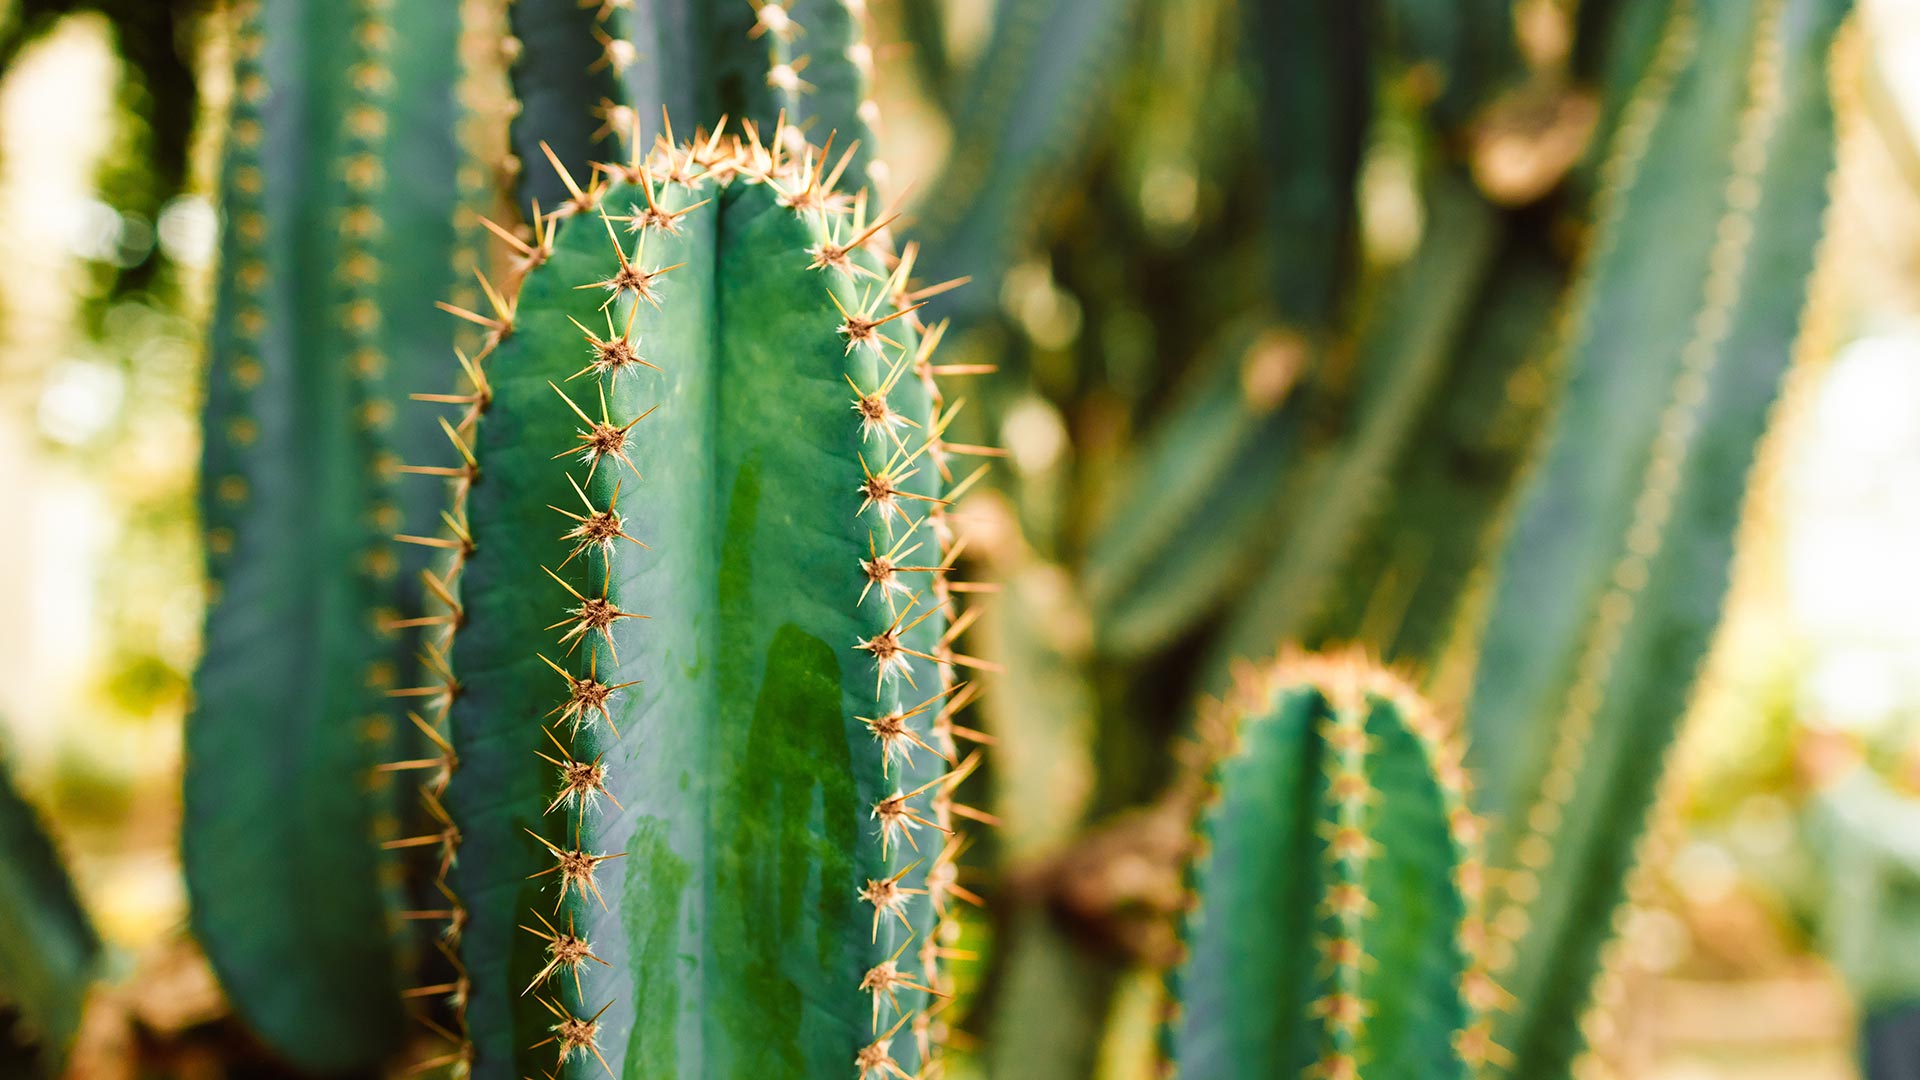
{"x":49,"y":954}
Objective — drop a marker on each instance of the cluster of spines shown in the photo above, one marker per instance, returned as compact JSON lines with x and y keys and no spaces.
{"x":1350,"y":682}
{"x":1652,"y":509}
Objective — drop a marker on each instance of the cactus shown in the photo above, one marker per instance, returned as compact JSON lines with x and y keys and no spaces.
{"x":699,"y":768}
{"x":1610,"y":580}
{"x":341,"y":193}
{"x":49,"y":955}
{"x":681,"y":701}
{"x":1330,"y":929}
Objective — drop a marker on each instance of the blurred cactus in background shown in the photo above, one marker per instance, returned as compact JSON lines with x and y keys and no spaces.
{"x":613,"y":618}
{"x":1333,"y":920}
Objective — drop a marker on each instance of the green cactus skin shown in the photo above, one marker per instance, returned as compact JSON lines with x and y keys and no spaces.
{"x":1610,"y":580}
{"x":770,"y":872}
{"x":1466,"y":50}
{"x":1315,"y":102}
{"x":341,"y":192}
{"x":49,"y":955}
{"x":1330,"y":927}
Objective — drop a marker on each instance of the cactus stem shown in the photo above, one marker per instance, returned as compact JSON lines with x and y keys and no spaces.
{"x":1645,"y":535}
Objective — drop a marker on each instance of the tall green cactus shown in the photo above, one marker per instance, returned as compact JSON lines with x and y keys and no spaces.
{"x":1330,"y":929}
{"x":699,"y":796}
{"x":49,"y":955}
{"x":1610,"y":581}
{"x":341,"y":191}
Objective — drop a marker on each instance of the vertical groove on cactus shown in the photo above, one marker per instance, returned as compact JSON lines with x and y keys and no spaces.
{"x":1332,"y":914}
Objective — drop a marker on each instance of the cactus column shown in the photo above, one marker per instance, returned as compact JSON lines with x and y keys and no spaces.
{"x":1330,"y":927}
{"x":702,"y":764}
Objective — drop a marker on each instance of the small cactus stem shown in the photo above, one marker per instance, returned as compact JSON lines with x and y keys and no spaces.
{"x":1642,"y":541}
{"x":1333,"y":818}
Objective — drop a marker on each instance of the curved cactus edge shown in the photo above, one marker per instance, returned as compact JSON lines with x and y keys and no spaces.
{"x":1348,"y":677}
{"x":1821,"y":331}
{"x":806,"y":182}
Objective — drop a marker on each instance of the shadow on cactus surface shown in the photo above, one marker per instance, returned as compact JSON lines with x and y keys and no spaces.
{"x":948,"y":539}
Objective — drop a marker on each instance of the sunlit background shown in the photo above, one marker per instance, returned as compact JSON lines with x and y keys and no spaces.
{"x":1742,"y":958}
